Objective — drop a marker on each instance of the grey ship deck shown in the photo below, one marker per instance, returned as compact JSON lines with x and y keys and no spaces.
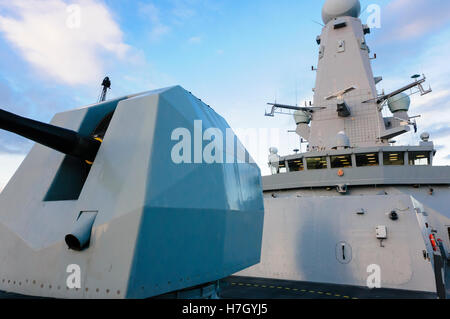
{"x":250,"y":288}
{"x":256,"y":288}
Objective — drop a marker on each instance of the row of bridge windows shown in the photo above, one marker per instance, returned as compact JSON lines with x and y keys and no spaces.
{"x":362,"y":160}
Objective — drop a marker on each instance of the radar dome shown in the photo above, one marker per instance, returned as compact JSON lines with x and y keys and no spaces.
{"x":302,"y":117}
{"x":399,"y":103}
{"x":342,"y":140}
{"x":340,"y":8}
{"x":425,"y":136}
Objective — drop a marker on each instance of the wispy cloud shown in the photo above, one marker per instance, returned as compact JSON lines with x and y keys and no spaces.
{"x":11,"y":144}
{"x":173,"y":14}
{"x":183,"y":9}
{"x":195,"y":40}
{"x":153,"y":13}
{"x":411,"y":19}
{"x":42,"y":32}
{"x":441,"y":130}
{"x":434,"y":100}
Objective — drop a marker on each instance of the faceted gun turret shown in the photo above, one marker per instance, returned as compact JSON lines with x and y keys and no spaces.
{"x":58,"y":138}
{"x":138,"y":222}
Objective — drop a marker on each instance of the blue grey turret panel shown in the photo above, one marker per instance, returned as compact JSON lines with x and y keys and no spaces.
{"x":157,"y":226}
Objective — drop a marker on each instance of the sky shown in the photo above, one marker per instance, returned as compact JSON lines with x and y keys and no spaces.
{"x":234,"y":55}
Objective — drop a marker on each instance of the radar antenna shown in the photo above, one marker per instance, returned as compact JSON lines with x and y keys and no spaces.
{"x":277,"y":108}
{"x":417,"y":83}
{"x":340,"y":95}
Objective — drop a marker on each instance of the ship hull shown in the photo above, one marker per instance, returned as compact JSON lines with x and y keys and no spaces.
{"x":319,"y":236}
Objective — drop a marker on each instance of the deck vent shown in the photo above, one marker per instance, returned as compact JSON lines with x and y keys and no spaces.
{"x":393,"y":215}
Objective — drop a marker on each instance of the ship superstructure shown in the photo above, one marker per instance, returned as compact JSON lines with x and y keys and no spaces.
{"x":355,"y":209}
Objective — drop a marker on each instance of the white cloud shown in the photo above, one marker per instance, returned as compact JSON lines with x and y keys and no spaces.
{"x":432,"y":99}
{"x":45,"y":35}
{"x":409,"y":19}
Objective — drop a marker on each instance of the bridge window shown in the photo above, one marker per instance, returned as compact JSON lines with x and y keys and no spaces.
{"x":341,"y":161}
{"x":371,"y":159}
{"x":316,"y":163}
{"x":394,"y":158}
{"x":296,"y":165}
{"x":419,"y":158}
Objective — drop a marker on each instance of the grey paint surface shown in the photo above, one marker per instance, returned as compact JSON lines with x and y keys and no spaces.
{"x":381,"y":175}
{"x":334,"y":74}
{"x":308,"y":224}
{"x":261,"y":288}
{"x":301,"y":235}
{"x":159,"y":227}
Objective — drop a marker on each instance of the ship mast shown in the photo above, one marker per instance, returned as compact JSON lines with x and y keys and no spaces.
{"x":346,"y":104}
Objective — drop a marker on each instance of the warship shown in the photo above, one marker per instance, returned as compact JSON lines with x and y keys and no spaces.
{"x":356,"y":215}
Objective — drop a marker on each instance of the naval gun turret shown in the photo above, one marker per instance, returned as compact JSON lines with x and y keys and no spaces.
{"x":60,"y":139}
{"x":113,"y":203}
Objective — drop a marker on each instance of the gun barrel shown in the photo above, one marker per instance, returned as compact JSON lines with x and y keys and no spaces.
{"x":60,"y":139}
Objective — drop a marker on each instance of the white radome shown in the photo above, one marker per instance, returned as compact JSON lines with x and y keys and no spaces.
{"x":342,"y":140}
{"x":273,"y":150}
{"x":302,"y":117}
{"x":425,"y":136}
{"x":399,"y":103}
{"x":340,"y":8}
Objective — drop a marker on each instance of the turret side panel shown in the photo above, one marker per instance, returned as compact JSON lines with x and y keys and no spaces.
{"x":202,"y":221}
{"x":34,"y":257}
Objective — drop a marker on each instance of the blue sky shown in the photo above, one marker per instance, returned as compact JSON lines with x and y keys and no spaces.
{"x":234,"y":55}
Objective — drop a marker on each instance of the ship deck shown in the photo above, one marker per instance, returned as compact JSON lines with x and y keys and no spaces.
{"x":257,"y":288}
{"x":246,"y":288}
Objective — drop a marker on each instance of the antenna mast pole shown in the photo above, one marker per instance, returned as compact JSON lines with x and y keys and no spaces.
{"x":106,"y":85}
